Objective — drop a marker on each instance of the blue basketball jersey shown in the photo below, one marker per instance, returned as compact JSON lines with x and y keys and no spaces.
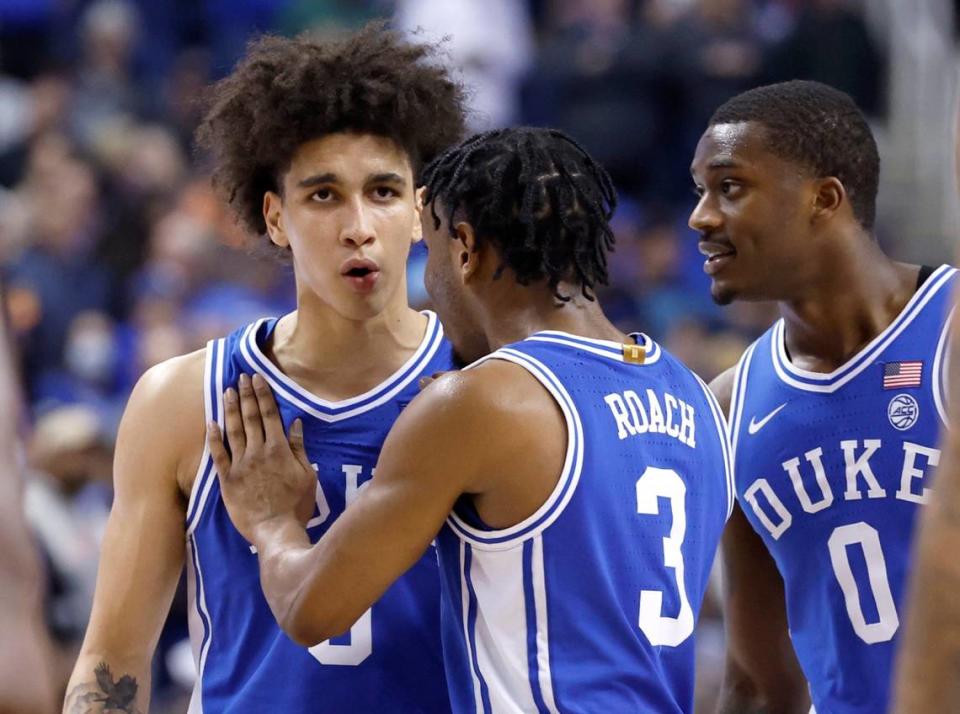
{"x":830,"y":470}
{"x":391,"y":660}
{"x":589,"y":604}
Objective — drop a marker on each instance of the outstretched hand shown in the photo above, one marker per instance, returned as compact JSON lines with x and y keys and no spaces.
{"x":266,"y":477}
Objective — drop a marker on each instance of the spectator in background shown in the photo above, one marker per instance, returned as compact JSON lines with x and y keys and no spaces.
{"x":67,"y":503}
{"x":143,"y":169}
{"x":597,"y":76}
{"x":57,"y":276}
{"x":714,"y":53}
{"x":327,"y":15}
{"x":831,"y":43}
{"x":490,"y":42}
{"x":105,"y":90}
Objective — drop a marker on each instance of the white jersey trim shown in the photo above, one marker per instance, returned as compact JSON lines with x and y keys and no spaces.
{"x":737,"y":401}
{"x":465,"y":610}
{"x":213,"y":409}
{"x":539,"y":582}
{"x":330,"y":411}
{"x":507,"y":633}
{"x":603,"y":348}
{"x":830,"y":382}
{"x":723,"y":430}
{"x":200,"y":626}
{"x":540,"y":520}
{"x":941,"y":370}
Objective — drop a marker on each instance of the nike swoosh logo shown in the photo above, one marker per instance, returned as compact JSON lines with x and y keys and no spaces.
{"x":756,"y":426}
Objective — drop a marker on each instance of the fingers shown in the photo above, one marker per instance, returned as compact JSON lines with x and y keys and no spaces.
{"x":270,"y":415}
{"x":296,"y":443}
{"x":427,"y":381}
{"x":218,"y":452}
{"x":250,"y":411}
{"x":234,"y":423}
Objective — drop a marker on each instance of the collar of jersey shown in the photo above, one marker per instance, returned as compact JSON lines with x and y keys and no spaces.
{"x":832,"y":381}
{"x":603,"y":348}
{"x":331,"y":411}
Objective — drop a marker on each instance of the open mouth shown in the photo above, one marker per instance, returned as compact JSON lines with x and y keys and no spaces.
{"x":360,"y":273}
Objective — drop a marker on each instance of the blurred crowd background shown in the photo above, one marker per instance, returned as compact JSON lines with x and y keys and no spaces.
{"x":116,"y":254}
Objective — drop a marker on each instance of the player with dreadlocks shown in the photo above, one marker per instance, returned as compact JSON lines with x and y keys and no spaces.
{"x":578,"y":477}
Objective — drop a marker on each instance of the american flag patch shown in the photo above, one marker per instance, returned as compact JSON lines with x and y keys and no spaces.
{"x":897,"y":375}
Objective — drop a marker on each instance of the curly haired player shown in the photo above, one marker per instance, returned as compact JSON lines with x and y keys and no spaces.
{"x":318,"y":147}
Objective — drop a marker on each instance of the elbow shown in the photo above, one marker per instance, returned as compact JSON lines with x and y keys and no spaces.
{"x":737,"y":695}
{"x":307,"y":633}
{"x":742,"y":694}
{"x":309,"y":626}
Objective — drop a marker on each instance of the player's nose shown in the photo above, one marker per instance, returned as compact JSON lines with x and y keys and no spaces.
{"x":705,"y":217}
{"x":357,"y":229}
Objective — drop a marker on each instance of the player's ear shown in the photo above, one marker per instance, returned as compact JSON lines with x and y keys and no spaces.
{"x":418,"y":208}
{"x":273,"y":217}
{"x":468,"y":257}
{"x":829,"y":196}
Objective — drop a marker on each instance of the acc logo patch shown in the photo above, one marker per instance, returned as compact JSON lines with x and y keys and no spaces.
{"x":903,"y":412}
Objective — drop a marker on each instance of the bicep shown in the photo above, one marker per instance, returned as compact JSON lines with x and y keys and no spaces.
{"x":140,"y":563}
{"x":143,"y":547}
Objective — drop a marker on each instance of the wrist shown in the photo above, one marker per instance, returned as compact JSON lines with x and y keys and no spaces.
{"x":279,"y":532}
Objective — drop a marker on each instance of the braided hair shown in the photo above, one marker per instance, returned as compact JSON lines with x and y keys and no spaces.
{"x":537,"y":195}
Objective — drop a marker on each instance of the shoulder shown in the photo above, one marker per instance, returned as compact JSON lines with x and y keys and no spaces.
{"x":495,"y":390}
{"x":164,"y":418}
{"x":170,"y":387}
{"x":496,"y":403}
{"x":722,"y":388}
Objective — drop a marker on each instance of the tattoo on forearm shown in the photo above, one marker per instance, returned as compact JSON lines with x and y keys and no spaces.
{"x":104,"y":695}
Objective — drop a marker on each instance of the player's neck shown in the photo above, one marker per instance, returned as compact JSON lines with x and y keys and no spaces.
{"x":337,"y":358}
{"x":518,"y":312}
{"x":858,"y":293}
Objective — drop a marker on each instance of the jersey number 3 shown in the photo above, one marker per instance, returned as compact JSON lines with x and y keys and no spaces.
{"x":653,"y":485}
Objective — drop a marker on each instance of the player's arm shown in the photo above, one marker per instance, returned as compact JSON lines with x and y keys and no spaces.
{"x":761,"y":674}
{"x":438,"y":449}
{"x":158,"y":444}
{"x":25,"y":676}
{"x":928,"y":672}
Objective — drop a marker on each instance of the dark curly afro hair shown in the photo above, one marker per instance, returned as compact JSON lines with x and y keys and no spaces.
{"x":285,"y":92}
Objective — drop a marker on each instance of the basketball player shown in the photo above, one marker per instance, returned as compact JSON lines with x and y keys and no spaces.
{"x":834,"y":411}
{"x":577,"y":476}
{"x":316,"y":145}
{"x":928,"y":673}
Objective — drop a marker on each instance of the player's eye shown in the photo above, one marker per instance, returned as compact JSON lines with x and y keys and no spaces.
{"x":385,"y":192}
{"x":322,"y":195}
{"x":730,"y":188}
{"x":697,"y":190}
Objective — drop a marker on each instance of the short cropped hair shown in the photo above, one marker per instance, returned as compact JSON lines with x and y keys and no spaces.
{"x":818,"y":127}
